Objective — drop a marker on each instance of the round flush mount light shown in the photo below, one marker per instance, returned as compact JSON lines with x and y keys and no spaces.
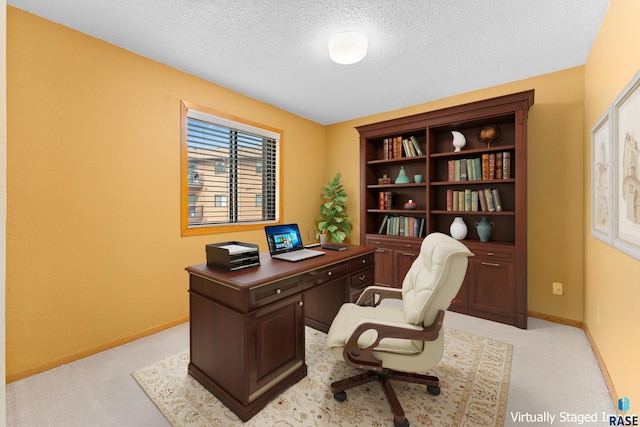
{"x":348,"y":47}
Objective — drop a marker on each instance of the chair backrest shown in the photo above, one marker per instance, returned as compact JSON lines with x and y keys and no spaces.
{"x":434,"y":279}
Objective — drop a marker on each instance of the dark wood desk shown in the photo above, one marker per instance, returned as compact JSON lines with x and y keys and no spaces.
{"x":247,"y":326}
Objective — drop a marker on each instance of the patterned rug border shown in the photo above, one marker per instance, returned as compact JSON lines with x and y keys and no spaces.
{"x":474,"y":374}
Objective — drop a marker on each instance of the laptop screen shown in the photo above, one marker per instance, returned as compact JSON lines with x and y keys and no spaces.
{"x":283,"y":238}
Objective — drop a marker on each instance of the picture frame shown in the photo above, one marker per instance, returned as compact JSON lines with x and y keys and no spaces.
{"x":626,"y":110}
{"x":602,"y":178}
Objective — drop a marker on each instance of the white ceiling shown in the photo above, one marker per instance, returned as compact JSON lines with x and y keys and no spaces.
{"x":276,"y":50}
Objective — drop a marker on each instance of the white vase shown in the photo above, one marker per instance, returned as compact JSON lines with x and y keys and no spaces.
{"x":458,"y":228}
{"x":459,"y":140}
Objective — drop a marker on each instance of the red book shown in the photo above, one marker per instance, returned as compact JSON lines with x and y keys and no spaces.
{"x":449,"y":200}
{"x":483,"y":200}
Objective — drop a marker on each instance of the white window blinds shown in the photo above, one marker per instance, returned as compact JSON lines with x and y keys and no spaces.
{"x":232,"y":172}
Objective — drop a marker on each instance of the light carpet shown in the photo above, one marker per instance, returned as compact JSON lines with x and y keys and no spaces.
{"x":473,"y":372}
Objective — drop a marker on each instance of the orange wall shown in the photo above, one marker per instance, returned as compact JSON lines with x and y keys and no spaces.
{"x":555,"y":151}
{"x":612,"y":278}
{"x":94,"y":253}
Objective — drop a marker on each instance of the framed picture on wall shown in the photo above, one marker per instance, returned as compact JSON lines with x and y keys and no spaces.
{"x":602,"y":178}
{"x":626,"y":114}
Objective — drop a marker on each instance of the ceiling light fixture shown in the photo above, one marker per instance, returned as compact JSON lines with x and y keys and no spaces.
{"x":347,"y":48}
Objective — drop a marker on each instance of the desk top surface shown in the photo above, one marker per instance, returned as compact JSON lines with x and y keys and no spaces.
{"x":274,"y":269}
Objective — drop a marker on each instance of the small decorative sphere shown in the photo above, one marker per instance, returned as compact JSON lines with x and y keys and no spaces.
{"x":489,"y":133}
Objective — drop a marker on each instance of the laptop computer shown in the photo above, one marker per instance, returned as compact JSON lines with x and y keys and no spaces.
{"x":285,"y":243}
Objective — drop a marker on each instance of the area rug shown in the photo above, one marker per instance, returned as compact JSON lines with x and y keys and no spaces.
{"x":473,"y":372}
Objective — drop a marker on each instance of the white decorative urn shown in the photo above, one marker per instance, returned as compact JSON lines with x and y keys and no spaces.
{"x":458,"y":228}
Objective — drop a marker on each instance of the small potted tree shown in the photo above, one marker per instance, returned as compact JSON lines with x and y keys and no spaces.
{"x":333,"y":219}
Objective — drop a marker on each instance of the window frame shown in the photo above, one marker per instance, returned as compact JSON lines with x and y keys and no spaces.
{"x":242,"y":124}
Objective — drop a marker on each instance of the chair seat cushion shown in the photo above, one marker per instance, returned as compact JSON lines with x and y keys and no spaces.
{"x":352,"y":315}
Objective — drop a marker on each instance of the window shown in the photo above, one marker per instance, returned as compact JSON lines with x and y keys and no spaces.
{"x":230,"y":173}
{"x":220,"y":168}
{"x":220,"y":201}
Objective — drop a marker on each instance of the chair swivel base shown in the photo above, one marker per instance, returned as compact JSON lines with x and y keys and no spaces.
{"x":433,"y":387}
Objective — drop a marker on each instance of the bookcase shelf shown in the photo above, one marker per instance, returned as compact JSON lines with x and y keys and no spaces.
{"x":496,"y":283}
{"x":475,"y":182}
{"x":477,"y":213}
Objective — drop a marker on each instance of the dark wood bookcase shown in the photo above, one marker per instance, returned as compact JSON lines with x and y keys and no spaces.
{"x":495,"y":287}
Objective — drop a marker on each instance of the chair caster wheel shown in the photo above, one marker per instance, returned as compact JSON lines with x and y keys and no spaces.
{"x":340,"y":396}
{"x":433,"y":390}
{"x":404,"y":423}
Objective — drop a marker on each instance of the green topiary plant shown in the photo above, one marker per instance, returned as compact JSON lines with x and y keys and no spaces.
{"x":333,"y":218}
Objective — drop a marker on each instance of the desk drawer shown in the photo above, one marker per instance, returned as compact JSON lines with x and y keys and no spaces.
{"x":362,"y":262}
{"x":274,"y":291}
{"x":362,"y":278}
{"x":323,"y":275}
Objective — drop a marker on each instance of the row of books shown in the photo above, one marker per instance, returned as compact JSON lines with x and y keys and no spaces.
{"x":486,"y":200}
{"x":406,"y":226}
{"x":397,"y":147}
{"x":489,"y":166}
{"x":387,"y":200}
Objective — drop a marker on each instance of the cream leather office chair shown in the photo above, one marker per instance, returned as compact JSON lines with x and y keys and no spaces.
{"x":396,"y":341}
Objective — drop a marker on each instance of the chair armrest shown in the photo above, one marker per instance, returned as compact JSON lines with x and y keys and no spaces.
{"x":363,"y":357}
{"x":383,"y":291}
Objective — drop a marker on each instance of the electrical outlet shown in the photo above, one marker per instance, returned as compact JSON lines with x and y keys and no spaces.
{"x":557,"y":288}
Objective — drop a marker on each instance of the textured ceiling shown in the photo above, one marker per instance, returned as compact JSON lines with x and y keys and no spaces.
{"x":276,"y":50}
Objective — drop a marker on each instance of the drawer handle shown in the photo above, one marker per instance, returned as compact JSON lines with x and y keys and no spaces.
{"x":491,"y":264}
{"x":408,"y":254}
{"x":278,"y":291}
{"x":364,"y":261}
{"x":490,"y":253}
{"x":361,"y":278}
{"x":329,"y":273}
{"x":301,"y":303}
{"x":379,"y":250}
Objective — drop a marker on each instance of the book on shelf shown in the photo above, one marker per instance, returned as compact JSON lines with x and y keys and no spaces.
{"x":386,"y":200}
{"x":498,"y":165}
{"x":506,"y":165}
{"x":392,"y":147}
{"x":485,"y":166}
{"x":396,"y":147}
{"x":409,"y":151}
{"x":467,"y":200}
{"x":463,"y":170}
{"x":491,"y":201}
{"x":474,"y":201}
{"x":404,"y":226}
{"x":483,"y":200}
{"x":496,"y":199}
{"x":491,"y":166}
{"x":417,"y":146}
{"x":451,"y":174}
